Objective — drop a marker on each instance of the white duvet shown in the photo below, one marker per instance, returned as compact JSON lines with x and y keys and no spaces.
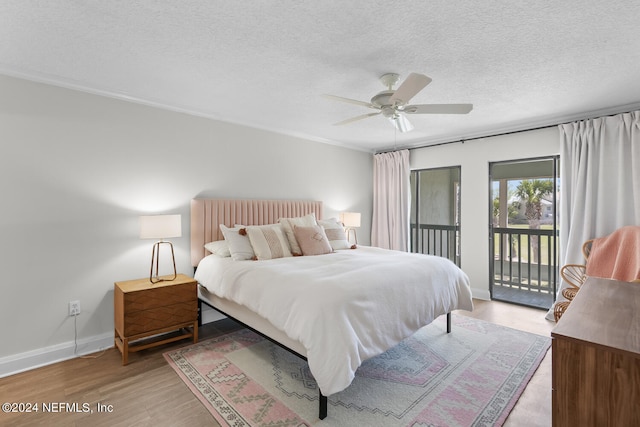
{"x":344,"y":307}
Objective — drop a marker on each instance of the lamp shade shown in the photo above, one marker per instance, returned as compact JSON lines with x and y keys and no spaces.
{"x":350,"y":219}
{"x":160,"y":226}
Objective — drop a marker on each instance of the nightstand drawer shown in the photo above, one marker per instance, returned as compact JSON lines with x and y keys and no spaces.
{"x":138,"y":322}
{"x":159,"y":297}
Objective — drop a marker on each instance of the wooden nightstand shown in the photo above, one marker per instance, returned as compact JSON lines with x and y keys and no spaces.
{"x":143,"y":309}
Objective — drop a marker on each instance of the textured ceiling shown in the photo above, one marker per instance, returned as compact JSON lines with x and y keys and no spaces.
{"x":266,"y":64}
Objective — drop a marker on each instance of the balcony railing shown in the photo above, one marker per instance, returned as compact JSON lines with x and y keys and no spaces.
{"x":526,"y":259}
{"x":440,"y":240}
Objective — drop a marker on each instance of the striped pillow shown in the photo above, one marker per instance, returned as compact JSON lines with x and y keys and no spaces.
{"x":268,"y":241}
{"x":335,"y":234}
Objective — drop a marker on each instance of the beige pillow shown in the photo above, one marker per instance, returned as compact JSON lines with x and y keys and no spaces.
{"x":268,"y":241}
{"x":312,"y":240}
{"x":335,"y":234}
{"x":289,"y":223}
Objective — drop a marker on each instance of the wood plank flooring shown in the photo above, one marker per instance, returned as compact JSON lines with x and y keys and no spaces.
{"x":147,"y":392}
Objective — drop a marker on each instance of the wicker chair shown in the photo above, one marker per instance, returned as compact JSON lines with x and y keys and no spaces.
{"x":586,"y":248}
{"x":574,"y":275}
{"x":559,"y":308}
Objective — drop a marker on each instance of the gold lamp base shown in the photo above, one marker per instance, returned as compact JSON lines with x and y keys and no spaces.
{"x":355,"y":236}
{"x":155,"y":260}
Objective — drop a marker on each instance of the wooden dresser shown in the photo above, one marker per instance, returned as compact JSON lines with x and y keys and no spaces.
{"x":143,"y":309}
{"x":596,"y":357}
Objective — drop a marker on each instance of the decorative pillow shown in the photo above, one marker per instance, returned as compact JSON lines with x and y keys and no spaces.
{"x":239,"y":245}
{"x":335,"y":234}
{"x":268,"y":241}
{"x":312,"y":240}
{"x":288,"y":225}
{"x":219,"y":248}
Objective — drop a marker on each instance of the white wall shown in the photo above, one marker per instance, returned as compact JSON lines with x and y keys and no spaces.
{"x":474,"y":158}
{"x":76,"y":171}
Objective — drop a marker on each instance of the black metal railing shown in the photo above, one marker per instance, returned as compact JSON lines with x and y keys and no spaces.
{"x":440,"y":240}
{"x":525,"y":259}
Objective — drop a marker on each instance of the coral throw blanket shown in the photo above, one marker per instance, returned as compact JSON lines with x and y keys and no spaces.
{"x":616,"y":256}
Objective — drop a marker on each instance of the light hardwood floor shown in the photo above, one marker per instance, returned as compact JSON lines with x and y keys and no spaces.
{"x":147,"y":392}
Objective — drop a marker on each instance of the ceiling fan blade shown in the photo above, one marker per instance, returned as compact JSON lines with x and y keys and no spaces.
{"x":349,"y":101}
{"x":401,"y":123}
{"x":355,"y":119}
{"x":413,"y":84}
{"x":438,"y":109}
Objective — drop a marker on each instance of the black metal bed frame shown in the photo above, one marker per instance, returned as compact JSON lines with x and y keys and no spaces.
{"x":322,"y":402}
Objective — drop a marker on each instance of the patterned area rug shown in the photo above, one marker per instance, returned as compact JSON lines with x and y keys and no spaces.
{"x":471,"y":377}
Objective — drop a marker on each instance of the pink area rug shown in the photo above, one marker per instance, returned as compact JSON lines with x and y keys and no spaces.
{"x":471,"y":377}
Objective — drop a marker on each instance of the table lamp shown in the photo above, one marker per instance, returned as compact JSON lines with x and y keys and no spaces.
{"x":350,"y":220}
{"x":160,"y":227}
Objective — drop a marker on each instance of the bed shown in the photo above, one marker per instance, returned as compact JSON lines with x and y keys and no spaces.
{"x":342,"y":307}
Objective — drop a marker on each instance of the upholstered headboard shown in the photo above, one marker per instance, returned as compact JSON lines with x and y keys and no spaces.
{"x":208,"y":214}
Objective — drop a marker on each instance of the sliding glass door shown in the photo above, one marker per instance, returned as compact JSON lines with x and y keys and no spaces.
{"x":523,"y":246}
{"x":435,"y":212}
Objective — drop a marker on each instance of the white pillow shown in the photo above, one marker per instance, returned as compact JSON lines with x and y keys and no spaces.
{"x":289,"y":224}
{"x":239,"y":245}
{"x":219,"y":248}
{"x":268,"y":241}
{"x":335,"y":234}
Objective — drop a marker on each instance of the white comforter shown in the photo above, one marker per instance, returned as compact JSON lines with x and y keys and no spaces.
{"x":343,"y":307}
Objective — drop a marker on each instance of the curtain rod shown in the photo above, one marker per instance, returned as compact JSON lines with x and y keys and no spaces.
{"x":463,"y":140}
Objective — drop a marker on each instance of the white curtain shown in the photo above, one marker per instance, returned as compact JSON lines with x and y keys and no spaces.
{"x":391,"y":200}
{"x":599,"y":181}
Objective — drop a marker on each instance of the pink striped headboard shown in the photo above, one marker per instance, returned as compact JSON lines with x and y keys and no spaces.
{"x":208,"y":214}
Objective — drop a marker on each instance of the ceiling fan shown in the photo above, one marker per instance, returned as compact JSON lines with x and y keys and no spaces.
{"x":394,"y":104}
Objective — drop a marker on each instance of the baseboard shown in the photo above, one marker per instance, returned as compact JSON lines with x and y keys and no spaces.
{"x":483,"y":294}
{"x":21,"y":362}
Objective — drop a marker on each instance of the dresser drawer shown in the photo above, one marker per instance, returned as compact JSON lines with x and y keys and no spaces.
{"x":160,"y":296}
{"x":143,"y":321}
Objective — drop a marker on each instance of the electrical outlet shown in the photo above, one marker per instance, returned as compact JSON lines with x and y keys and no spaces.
{"x":74,"y":308}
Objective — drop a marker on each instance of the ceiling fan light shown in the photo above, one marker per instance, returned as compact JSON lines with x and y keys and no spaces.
{"x":401,"y":123}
